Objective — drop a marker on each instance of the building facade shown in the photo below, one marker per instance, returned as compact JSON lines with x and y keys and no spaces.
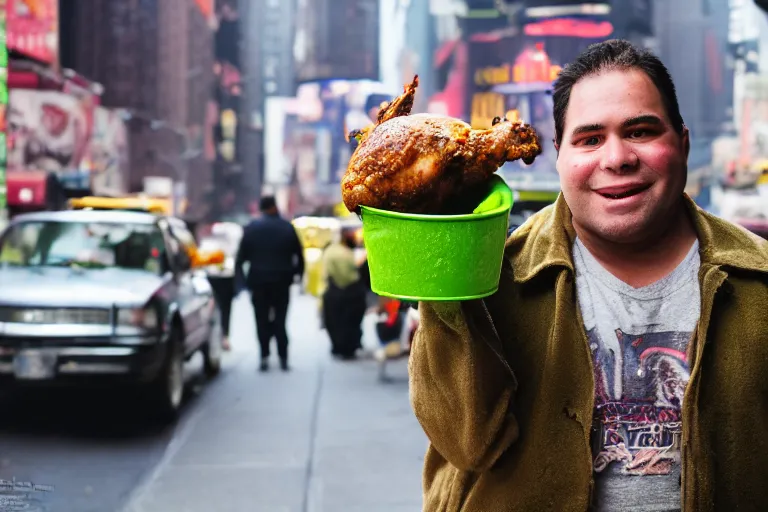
{"x":153,"y":59}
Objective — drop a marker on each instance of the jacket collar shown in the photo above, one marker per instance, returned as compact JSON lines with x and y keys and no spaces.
{"x":547,"y":238}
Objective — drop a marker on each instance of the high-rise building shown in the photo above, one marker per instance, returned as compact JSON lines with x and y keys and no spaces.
{"x":154,"y":59}
{"x":689,"y":40}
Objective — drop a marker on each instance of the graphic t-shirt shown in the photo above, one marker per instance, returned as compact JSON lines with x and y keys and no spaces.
{"x":638,"y":338}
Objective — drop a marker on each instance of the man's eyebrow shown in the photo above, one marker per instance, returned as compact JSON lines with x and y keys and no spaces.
{"x":644,"y":119}
{"x":587,"y":128}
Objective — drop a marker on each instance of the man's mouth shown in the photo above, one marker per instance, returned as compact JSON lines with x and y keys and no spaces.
{"x":623,"y":191}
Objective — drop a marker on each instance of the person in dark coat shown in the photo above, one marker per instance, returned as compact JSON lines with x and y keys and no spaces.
{"x":273,"y":251}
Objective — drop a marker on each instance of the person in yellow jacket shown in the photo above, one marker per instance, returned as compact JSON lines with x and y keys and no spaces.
{"x":344,"y":300}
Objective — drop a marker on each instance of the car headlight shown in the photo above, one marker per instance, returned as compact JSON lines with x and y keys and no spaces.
{"x":138,"y":317}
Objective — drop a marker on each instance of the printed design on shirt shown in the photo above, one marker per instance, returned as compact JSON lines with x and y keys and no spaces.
{"x":640,"y":384}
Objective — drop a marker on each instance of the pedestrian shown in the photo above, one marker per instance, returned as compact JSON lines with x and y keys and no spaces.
{"x":224,"y":292}
{"x":273,"y":252}
{"x":344,"y":299}
{"x":621,"y":363}
{"x":225,"y":237}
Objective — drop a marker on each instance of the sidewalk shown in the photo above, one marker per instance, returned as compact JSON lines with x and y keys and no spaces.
{"x":326,"y":437}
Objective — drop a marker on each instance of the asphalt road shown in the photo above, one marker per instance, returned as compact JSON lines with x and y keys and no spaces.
{"x":328,"y":436}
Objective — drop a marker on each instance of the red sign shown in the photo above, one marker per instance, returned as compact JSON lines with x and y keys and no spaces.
{"x":32,"y":28}
{"x":570,"y":27}
{"x":206,"y":7}
{"x":27,"y":188}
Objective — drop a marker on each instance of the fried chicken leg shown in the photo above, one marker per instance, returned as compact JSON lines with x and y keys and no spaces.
{"x":419,"y":163}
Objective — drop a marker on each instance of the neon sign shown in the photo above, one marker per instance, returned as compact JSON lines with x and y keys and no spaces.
{"x":565,"y":27}
{"x":533,"y":65}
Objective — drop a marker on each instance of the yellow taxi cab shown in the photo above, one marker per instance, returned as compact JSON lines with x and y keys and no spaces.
{"x":763,"y":179}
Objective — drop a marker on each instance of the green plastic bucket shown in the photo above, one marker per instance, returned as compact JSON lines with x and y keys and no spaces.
{"x":438,"y":257}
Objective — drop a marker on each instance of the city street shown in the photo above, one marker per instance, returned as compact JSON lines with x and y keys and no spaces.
{"x":328,"y":436}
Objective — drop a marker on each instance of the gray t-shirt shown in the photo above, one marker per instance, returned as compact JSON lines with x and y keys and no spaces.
{"x":638,"y":338}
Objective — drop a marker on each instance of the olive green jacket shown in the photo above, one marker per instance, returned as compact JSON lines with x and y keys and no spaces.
{"x":504,"y":387}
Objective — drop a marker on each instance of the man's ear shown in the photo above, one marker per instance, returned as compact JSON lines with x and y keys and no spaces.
{"x":557,"y":146}
{"x":686,"y":136}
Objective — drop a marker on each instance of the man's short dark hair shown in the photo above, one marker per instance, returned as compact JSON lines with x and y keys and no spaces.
{"x":611,"y":55}
{"x":267,"y":203}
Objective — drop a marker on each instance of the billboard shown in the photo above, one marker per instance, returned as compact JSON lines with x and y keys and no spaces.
{"x":337,"y":39}
{"x":50,"y":131}
{"x":33,"y":28}
{"x":306,"y":149}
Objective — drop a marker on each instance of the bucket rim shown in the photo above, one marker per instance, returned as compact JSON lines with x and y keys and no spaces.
{"x":499,"y":188}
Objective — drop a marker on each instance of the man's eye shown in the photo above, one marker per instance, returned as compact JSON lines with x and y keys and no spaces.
{"x":592,"y":141}
{"x":637,"y":134}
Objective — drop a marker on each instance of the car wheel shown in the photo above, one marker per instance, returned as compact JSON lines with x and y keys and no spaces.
{"x":212,"y":350}
{"x":167,"y":390}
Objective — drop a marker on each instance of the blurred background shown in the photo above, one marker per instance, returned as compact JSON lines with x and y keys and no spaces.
{"x":219,"y":102}
{"x":196,"y":109}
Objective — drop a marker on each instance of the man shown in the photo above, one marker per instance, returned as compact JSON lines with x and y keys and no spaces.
{"x":621,"y":364}
{"x":275,"y":257}
{"x":344,"y":300}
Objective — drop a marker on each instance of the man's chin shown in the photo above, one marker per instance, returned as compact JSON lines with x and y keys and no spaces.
{"x":626,"y":229}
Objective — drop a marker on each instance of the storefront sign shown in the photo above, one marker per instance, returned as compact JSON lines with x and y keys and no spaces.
{"x":33,"y":28}
{"x":531,"y":66}
{"x":518,"y":73}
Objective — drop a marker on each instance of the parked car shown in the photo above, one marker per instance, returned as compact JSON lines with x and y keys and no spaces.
{"x":87,"y":295}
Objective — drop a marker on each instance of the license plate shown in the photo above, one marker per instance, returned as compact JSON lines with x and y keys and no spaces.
{"x":34,"y":365}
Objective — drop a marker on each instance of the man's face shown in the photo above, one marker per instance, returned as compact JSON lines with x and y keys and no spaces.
{"x":622,"y":166}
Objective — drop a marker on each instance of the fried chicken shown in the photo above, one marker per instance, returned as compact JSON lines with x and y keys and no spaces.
{"x":423,"y":163}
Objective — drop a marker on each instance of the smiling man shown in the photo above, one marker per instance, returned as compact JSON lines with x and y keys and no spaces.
{"x":621,"y":364}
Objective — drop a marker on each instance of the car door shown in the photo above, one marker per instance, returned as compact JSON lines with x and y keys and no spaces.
{"x":201,"y":294}
{"x":184,"y":295}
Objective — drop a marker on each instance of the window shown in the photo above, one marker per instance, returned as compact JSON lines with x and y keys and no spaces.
{"x":84,"y":244}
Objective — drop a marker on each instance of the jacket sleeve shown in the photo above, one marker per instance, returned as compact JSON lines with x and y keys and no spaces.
{"x":240,"y":279}
{"x":462,"y":388}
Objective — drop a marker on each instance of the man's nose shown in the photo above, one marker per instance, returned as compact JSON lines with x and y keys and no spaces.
{"x":618,"y":155}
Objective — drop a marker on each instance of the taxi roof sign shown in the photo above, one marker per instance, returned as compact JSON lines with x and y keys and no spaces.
{"x":141,"y":204}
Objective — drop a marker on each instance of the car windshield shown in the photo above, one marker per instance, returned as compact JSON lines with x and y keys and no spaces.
{"x":83,"y":244}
